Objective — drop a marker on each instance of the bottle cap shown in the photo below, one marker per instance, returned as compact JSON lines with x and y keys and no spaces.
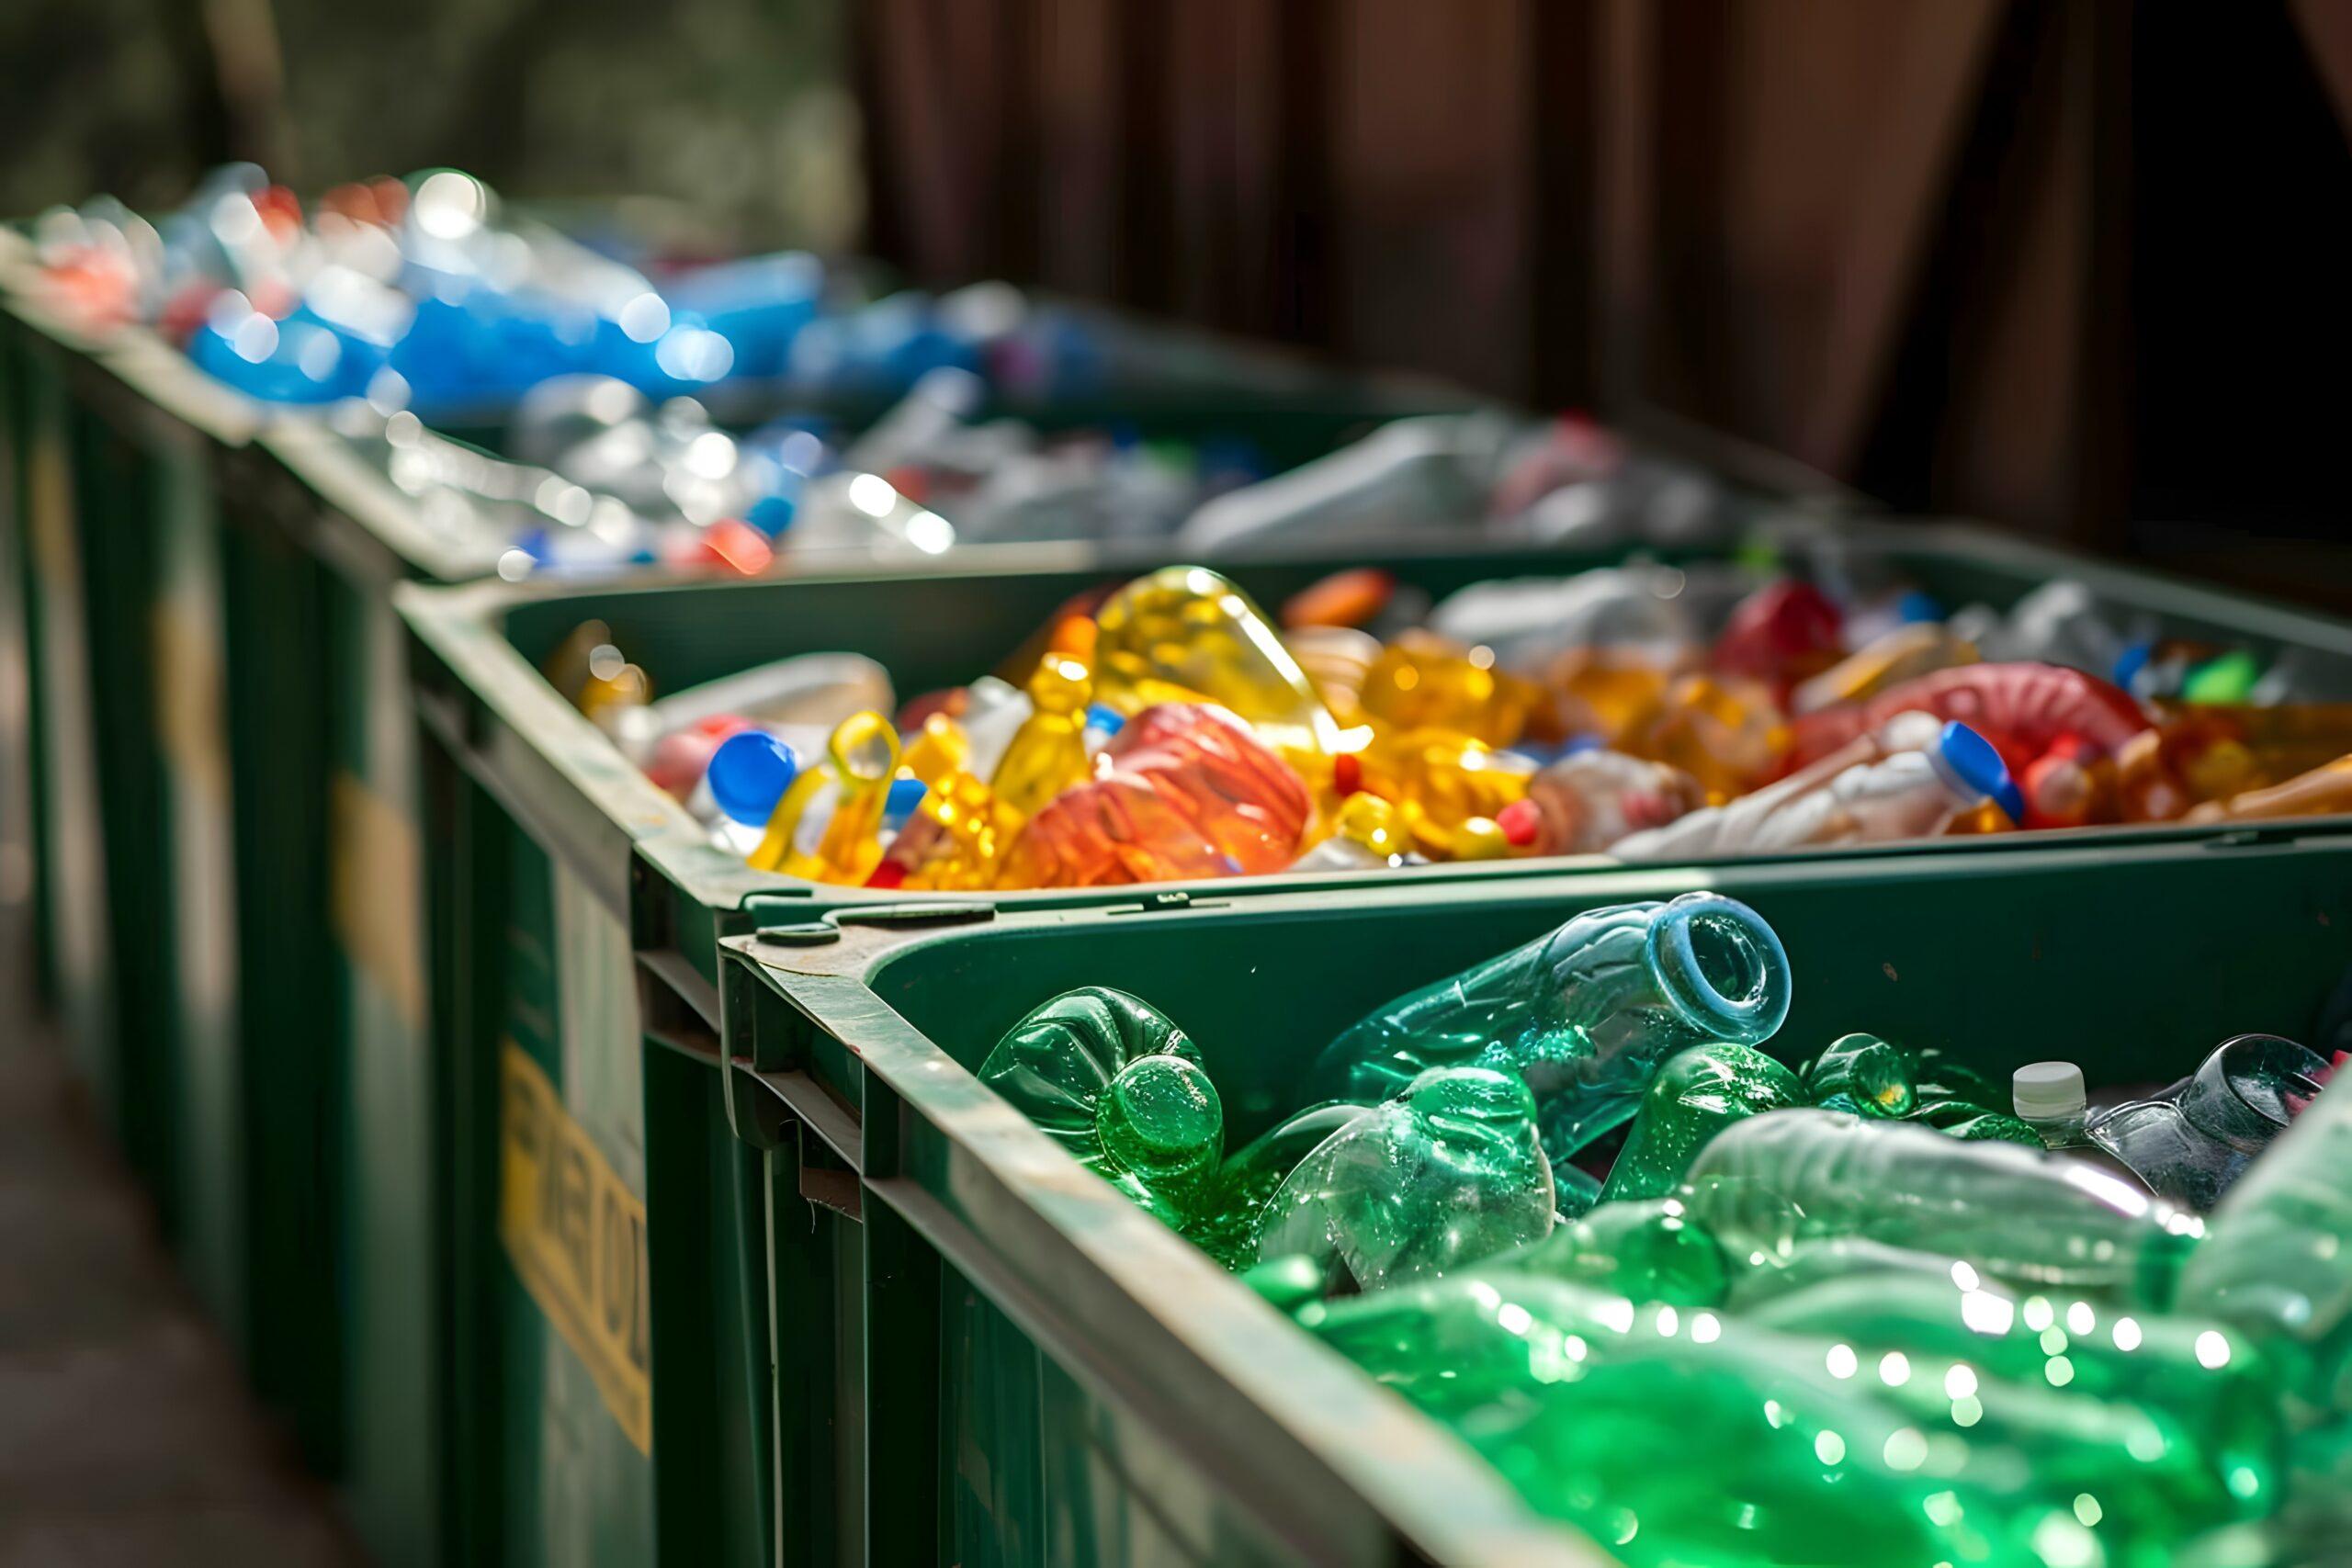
{"x":2048,"y":1091}
{"x":900,"y":802}
{"x":749,"y":774}
{"x":1968,"y":762}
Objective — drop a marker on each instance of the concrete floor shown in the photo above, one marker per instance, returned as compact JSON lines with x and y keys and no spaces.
{"x":126,"y":1435}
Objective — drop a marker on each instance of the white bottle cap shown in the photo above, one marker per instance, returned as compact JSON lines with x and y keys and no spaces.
{"x":2048,"y":1091}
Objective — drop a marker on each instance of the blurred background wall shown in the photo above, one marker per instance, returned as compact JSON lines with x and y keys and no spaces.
{"x":2071,"y":264}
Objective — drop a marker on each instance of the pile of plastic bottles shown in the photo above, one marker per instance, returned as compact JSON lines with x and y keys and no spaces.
{"x":1710,"y":1309}
{"x":1171,"y":730}
{"x":397,"y":304}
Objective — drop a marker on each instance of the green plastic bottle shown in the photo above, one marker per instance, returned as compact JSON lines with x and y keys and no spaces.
{"x":1645,"y":1249}
{"x":2278,"y":1263}
{"x":1236,"y":1205}
{"x":2209,"y":1377}
{"x":1696,"y":1094}
{"x":1585,"y":1015}
{"x":1773,"y":1180}
{"x":1863,"y":1076}
{"x":1678,"y":1435}
{"x":1968,"y":1121}
{"x":1119,"y":1085}
{"x":1937,"y":1074}
{"x":1448,"y":1174}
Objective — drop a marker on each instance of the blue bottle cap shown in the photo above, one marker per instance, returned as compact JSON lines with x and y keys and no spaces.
{"x":904,"y":797}
{"x":1918,"y":605}
{"x":2133,"y":660}
{"x":1969,"y":761}
{"x":1102,"y":716}
{"x":749,"y":774}
{"x":773,"y":513}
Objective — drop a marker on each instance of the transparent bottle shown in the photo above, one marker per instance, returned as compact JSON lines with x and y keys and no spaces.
{"x":1585,"y":1015}
{"x":1770,"y":1182}
{"x":1115,"y":1082}
{"x":2278,"y":1263}
{"x":1696,"y":1094}
{"x":1410,"y":474}
{"x":1448,"y":1173}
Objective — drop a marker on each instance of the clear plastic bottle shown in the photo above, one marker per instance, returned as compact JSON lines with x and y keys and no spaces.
{"x":2278,"y":1263}
{"x":1773,"y":1181}
{"x":1446,"y":1174}
{"x":1909,"y":794}
{"x":1586,"y":1014}
{"x":1411,"y":474}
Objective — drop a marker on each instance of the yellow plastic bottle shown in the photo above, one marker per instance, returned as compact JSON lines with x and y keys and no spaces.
{"x":1048,"y":753}
{"x":1439,"y":781}
{"x":961,"y":829}
{"x":1422,"y":680}
{"x":1185,"y":634}
{"x":863,"y":758}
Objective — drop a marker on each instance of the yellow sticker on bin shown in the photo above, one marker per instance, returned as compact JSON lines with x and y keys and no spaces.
{"x":576,"y":1236}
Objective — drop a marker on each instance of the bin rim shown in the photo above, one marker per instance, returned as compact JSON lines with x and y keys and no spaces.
{"x":461,"y":626}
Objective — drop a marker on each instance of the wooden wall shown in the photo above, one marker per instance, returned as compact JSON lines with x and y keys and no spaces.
{"x":2074,"y":264}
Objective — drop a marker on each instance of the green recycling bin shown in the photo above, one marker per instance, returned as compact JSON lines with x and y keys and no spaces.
{"x":978,"y":1352}
{"x":579,"y":913}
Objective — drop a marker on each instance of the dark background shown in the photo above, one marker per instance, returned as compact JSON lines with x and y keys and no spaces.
{"x":2075,"y":265}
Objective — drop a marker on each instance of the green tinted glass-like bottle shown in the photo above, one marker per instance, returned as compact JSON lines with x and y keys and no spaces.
{"x":1696,"y":1094}
{"x":1645,"y":1249}
{"x":1236,"y":1204}
{"x":1584,"y":1014}
{"x":1771,"y":1181}
{"x":1863,"y":1076}
{"x":1682,"y":1435}
{"x":1447,"y":1174}
{"x":2209,"y":1377}
{"x":1120,"y":1087}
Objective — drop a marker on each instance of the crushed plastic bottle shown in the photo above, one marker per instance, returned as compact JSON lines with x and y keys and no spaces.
{"x":1586,"y":1015}
{"x":1696,"y":1095}
{"x":1589,"y":800}
{"x":1186,"y":634}
{"x":1182,"y":791}
{"x":1449,"y":1172}
{"x":1122,"y":1088}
